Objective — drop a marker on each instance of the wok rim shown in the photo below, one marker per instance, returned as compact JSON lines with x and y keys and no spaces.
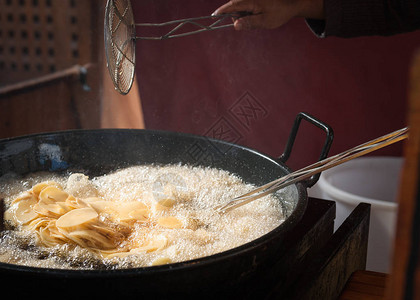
{"x":253,"y":245}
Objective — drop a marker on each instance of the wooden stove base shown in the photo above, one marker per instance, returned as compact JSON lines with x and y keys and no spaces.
{"x":366,"y":285}
{"x":325,"y":268}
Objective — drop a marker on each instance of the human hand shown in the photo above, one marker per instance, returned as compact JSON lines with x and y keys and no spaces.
{"x":271,"y":13}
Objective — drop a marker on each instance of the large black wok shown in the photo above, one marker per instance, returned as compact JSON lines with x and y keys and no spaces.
{"x":96,"y":152}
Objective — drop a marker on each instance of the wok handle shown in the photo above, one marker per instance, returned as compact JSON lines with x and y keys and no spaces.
{"x":292,"y":136}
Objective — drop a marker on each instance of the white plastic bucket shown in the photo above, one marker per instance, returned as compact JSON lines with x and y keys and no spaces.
{"x":373,"y":180}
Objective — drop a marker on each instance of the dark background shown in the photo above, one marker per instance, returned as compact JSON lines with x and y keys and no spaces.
{"x":247,"y":87}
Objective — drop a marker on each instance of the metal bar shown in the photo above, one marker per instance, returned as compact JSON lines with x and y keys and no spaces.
{"x":31,"y":83}
{"x":182,"y":22}
{"x":223,"y":16}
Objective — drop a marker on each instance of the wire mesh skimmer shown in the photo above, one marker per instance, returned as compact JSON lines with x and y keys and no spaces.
{"x":120,"y":37}
{"x":315,"y":168}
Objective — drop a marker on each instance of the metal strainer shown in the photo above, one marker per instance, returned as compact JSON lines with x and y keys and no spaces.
{"x":120,"y":38}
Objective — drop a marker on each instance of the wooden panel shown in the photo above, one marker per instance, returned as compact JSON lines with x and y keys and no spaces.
{"x":365,"y":285}
{"x":39,"y":91}
{"x":404,"y":281}
{"x":58,"y":105}
{"x":41,"y":39}
{"x":327,"y":273}
{"x":38,"y":37}
{"x":297,"y":253}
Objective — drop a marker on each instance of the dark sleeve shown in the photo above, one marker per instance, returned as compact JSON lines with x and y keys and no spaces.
{"x":352,"y":18}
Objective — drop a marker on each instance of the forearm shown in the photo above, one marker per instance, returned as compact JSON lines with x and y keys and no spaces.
{"x":343,"y":18}
{"x":346,"y":18}
{"x":313,"y":9}
{"x":271,"y":13}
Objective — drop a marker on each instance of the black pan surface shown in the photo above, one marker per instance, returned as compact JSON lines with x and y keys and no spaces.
{"x":96,"y":152}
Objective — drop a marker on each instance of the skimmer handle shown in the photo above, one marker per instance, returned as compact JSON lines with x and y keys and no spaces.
{"x":315,"y":168}
{"x":178,"y":24}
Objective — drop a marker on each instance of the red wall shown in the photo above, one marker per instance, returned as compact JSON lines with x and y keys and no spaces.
{"x":202,"y":83}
